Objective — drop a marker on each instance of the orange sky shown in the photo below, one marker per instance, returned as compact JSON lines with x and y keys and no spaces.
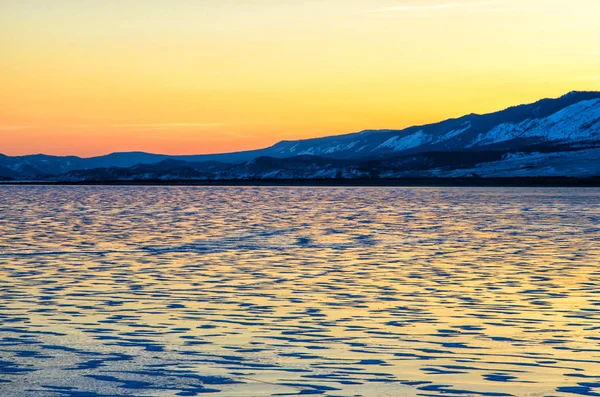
{"x":187,"y":76}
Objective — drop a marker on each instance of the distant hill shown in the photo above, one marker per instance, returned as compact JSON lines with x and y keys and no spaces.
{"x":551,"y":137}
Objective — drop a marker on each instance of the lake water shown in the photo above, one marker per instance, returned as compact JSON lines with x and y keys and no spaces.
{"x":181,"y":291}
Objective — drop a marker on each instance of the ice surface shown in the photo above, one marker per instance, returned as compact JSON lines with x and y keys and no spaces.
{"x":121,"y":291}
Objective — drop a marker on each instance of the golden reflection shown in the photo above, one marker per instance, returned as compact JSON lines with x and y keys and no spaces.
{"x":362,"y":291}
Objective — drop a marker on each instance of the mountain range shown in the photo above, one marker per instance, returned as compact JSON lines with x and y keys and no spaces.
{"x":548,"y":138}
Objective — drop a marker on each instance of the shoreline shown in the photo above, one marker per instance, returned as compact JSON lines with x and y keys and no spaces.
{"x":399,"y":182}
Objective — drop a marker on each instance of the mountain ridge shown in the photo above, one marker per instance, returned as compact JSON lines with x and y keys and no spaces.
{"x":551,"y":127}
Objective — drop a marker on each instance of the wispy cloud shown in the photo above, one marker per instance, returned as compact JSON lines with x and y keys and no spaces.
{"x":167,"y":126}
{"x":431,"y":6}
{"x":14,"y":127}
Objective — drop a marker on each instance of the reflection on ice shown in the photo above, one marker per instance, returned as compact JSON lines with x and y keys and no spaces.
{"x":143,"y":291}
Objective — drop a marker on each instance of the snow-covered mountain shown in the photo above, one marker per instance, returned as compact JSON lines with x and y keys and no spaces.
{"x":552,"y":137}
{"x":573,"y":119}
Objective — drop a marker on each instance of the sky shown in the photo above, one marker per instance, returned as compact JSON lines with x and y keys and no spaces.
{"x":89,"y":77}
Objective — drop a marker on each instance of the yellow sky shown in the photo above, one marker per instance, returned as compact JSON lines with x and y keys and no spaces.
{"x":89,"y":77}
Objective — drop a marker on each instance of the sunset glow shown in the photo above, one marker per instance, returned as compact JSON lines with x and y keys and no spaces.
{"x":189,"y":76}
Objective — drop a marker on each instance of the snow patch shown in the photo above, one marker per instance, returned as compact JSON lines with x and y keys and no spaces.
{"x":578,"y":122}
{"x":402,"y":143}
{"x":453,"y":133}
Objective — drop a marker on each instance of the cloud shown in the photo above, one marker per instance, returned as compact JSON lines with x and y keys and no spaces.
{"x":14,"y":127}
{"x":439,"y":6}
{"x":167,"y":126}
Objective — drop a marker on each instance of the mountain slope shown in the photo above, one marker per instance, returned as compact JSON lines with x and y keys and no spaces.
{"x":574,"y":163}
{"x":573,"y":119}
{"x":532,"y":136}
{"x":58,"y":164}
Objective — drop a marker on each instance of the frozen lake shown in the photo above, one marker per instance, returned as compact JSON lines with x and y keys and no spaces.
{"x":181,"y":291}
